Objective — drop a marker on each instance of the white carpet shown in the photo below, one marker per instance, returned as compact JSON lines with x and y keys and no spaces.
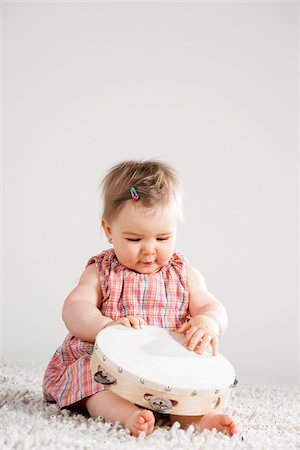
{"x":267,"y":419}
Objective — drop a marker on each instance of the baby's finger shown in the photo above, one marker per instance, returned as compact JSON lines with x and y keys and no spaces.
{"x":194,"y":339}
{"x":124,"y":321}
{"x":183,"y":327}
{"x":141,"y":322}
{"x":134,"y":321}
{"x":192,"y":330}
{"x":189,"y":331}
{"x":204,"y":343}
{"x":215,"y":345}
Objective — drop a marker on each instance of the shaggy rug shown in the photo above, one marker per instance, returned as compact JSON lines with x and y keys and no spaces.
{"x":267,"y":417}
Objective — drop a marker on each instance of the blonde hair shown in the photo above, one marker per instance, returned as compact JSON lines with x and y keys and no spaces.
{"x":156,"y":182}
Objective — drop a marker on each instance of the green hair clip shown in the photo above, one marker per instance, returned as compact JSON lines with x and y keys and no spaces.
{"x":134,"y":193}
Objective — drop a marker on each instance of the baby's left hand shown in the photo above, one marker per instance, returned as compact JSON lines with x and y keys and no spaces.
{"x":200,"y":332}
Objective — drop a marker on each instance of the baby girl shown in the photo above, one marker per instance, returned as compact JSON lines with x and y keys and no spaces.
{"x":140,"y":279}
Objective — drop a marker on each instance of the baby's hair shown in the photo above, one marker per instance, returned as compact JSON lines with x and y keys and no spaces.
{"x":157,"y":183}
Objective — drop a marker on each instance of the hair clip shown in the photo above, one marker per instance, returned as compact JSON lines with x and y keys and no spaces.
{"x":134,"y":193}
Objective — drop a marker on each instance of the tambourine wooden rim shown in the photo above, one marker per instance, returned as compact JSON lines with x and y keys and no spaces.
{"x":191,"y":400}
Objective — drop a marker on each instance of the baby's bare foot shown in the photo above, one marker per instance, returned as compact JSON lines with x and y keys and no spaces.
{"x":141,"y":420}
{"x":222,"y":422}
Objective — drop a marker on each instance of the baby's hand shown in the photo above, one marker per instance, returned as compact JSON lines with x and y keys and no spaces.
{"x":200,"y":331}
{"x":129,"y":321}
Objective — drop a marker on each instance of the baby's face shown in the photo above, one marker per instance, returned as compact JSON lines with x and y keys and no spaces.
{"x":143,"y":239}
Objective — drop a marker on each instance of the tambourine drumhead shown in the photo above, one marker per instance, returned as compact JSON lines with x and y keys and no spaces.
{"x":158,"y":355}
{"x":152,"y":368}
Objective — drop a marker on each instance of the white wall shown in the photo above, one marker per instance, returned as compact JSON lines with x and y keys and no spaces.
{"x":298,"y":186}
{"x":1,"y":181}
{"x":210,"y":88}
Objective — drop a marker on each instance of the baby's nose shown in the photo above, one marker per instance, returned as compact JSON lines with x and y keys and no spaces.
{"x":148,"y":252}
{"x":148,"y":249}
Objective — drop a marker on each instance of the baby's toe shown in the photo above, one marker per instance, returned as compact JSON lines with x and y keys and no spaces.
{"x":144,"y":422}
{"x":149,"y":420}
{"x":233,"y":428}
{"x":141,"y":420}
{"x":147,"y":415}
{"x":225,"y":420}
{"x":227,"y":424}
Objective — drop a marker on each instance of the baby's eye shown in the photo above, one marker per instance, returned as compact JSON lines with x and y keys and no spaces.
{"x":136,"y":240}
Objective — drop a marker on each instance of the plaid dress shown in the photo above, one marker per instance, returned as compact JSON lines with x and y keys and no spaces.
{"x":161,"y":298}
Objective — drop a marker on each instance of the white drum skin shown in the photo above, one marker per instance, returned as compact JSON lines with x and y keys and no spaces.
{"x":151,"y":368}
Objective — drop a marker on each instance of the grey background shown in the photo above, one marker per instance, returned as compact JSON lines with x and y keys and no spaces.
{"x":210,"y":88}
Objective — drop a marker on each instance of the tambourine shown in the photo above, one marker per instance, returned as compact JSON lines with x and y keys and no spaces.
{"x":152,"y":368}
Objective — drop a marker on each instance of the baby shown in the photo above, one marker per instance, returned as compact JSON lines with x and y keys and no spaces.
{"x":141,"y":279}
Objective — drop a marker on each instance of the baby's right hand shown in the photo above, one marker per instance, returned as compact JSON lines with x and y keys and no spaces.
{"x":129,"y":321}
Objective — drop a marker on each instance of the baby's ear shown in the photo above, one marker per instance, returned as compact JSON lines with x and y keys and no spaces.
{"x":106,"y":227}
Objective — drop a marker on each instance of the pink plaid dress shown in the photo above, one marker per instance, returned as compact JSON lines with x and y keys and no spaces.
{"x":161,"y":298}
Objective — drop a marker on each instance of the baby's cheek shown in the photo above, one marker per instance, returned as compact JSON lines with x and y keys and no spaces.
{"x":166,"y":255}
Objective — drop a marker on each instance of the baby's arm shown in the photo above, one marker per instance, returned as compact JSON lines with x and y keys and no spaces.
{"x":80,"y":311}
{"x":202,"y":302}
{"x":208,"y":316}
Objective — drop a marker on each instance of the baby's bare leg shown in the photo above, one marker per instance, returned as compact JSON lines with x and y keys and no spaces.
{"x":115,"y":408}
{"x":222,"y":422}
